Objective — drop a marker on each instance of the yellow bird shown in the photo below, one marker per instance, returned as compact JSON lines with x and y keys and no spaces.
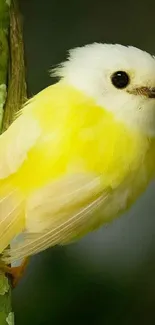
{"x":80,"y":152}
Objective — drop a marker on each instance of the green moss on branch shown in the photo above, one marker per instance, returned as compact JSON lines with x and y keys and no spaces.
{"x":4,"y":52}
{"x":17,"y":86}
{"x":12,"y":96}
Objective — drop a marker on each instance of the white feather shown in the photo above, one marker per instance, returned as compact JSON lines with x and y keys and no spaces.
{"x":11,"y":217}
{"x":89,"y":69}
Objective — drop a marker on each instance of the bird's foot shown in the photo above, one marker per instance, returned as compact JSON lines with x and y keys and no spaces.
{"x":16,"y":272}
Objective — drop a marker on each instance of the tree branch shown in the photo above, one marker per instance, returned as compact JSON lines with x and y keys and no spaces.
{"x":12,"y":96}
{"x":17,"y":93}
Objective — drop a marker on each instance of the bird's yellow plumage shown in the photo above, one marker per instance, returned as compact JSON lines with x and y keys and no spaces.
{"x":79,"y":136}
{"x":69,"y":164}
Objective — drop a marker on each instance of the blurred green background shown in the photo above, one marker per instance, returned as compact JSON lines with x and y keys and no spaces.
{"x":109,"y":276}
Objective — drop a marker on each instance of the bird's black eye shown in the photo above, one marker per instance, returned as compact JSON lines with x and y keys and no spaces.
{"x":120,"y":79}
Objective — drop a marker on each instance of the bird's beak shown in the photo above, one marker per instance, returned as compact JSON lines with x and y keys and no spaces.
{"x":143,"y":91}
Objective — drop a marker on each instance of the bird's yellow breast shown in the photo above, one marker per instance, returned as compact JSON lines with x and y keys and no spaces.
{"x":77,"y":135}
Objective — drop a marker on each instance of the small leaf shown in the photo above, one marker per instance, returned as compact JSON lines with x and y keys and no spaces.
{"x":4,"y":284}
{"x":8,"y":2}
{"x":10,"y":319}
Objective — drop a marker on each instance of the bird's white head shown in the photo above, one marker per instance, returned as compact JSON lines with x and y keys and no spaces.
{"x":121,"y":79}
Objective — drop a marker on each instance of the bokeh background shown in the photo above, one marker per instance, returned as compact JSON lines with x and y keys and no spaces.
{"x":109,"y":276}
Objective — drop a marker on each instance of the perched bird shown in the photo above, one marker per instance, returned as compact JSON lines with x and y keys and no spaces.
{"x":80,"y":152}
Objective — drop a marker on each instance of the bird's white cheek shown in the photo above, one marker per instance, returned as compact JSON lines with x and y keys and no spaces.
{"x":136,"y":112}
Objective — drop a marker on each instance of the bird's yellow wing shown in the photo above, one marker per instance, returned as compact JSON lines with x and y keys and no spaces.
{"x":16,"y":142}
{"x":14,"y":146}
{"x":59,"y":213}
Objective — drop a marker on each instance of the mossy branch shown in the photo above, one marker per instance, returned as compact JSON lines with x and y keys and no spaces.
{"x":4,"y":52}
{"x":12,"y":96}
{"x":17,"y":92}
